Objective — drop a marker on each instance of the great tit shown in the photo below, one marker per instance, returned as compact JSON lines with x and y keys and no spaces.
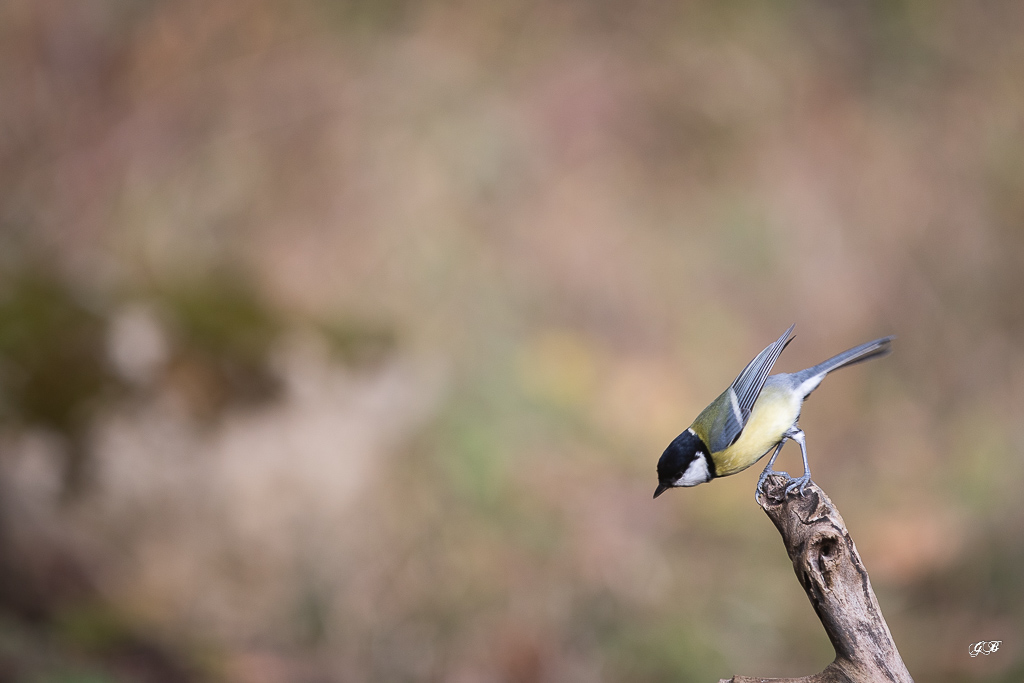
{"x":754,"y":415}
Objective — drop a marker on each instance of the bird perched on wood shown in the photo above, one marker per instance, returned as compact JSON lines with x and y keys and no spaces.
{"x":756,"y":413}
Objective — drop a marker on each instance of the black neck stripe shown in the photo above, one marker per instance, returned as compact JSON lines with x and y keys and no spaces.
{"x":706,"y":452}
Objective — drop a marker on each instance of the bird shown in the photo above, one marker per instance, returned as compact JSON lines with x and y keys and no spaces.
{"x":758,"y":412}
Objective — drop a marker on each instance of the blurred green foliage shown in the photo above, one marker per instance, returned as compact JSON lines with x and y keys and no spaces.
{"x":358,"y":343}
{"x":222,"y":317}
{"x":53,"y":366}
{"x":54,"y":372}
{"x":222,"y":335}
{"x":92,"y":627}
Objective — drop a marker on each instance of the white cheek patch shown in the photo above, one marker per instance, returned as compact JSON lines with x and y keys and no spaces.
{"x":696,"y":473}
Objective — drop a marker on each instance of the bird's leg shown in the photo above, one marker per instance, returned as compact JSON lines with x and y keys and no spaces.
{"x":801,"y":481}
{"x":768,"y":470}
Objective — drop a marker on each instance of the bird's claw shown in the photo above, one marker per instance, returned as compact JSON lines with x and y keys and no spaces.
{"x":760,"y":490}
{"x":798,"y":483}
{"x":793,"y":484}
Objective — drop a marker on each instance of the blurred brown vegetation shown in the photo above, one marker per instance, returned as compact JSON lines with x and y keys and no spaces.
{"x":339,"y":340}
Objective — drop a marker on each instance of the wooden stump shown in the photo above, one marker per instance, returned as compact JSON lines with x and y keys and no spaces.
{"x":829,"y":568}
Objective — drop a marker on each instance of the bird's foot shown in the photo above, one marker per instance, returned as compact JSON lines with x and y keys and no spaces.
{"x":760,"y":490}
{"x":798,"y":484}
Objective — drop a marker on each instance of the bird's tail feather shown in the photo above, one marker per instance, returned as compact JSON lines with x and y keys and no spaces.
{"x":810,"y":378}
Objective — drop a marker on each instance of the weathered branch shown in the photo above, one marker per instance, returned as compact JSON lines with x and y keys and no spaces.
{"x":830,"y":569}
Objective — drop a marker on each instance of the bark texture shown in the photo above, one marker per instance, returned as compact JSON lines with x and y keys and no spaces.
{"x":829,"y":568}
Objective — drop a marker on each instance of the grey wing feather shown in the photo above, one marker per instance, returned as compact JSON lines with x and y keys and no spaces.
{"x":750,"y":382}
{"x":732,"y":409}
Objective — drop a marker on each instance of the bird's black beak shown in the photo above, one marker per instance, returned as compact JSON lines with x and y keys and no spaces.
{"x":661,"y":489}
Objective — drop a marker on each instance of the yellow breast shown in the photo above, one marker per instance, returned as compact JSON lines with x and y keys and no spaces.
{"x":774,"y":412}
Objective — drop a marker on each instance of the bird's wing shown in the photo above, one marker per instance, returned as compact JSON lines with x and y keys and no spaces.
{"x":739,"y":398}
{"x":748,"y":385}
{"x":722,"y":421}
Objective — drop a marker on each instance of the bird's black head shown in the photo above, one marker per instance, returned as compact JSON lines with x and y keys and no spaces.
{"x":686,"y":462}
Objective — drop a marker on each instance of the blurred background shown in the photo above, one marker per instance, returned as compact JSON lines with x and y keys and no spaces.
{"x":339,"y":340}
